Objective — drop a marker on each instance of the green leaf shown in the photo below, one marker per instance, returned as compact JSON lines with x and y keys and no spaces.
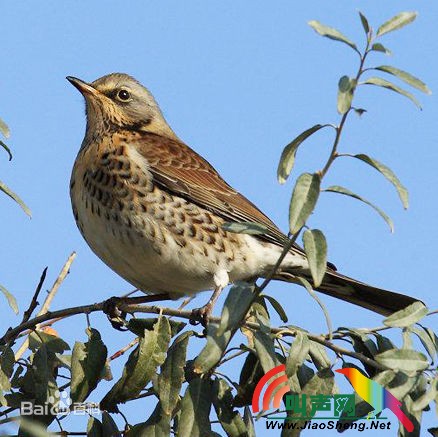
{"x":297,"y":354}
{"x":377,"y":47}
{"x":87,"y":363}
{"x":388,"y":174}
{"x":423,"y":401}
{"x":378,"y":81}
{"x":212,"y":352}
{"x":250,"y":375}
{"x":247,"y":418}
{"x":396,"y":22}
{"x":277,"y":307}
{"x":428,"y":339}
{"x":11,"y":299}
{"x":141,"y":366}
{"x":303,"y":201}
{"x":264,"y":346}
{"x":16,"y":197}
{"x":364,"y":21}
{"x":407,"y":316}
{"x":319,"y":356}
{"x":346,"y":88}
{"x":403,"y":359}
{"x":32,"y":428}
{"x":237,"y":304}
{"x":230,"y":419}
{"x":4,"y":129}
{"x":287,"y":158}
{"x":94,"y":427}
{"x":109,"y":427}
{"x":170,"y":379}
{"x":330,"y":32}
{"x":315,"y":246}
{"x":195,"y":409}
{"x":53,"y":343}
{"x":8,"y":150}
{"x":250,"y":228}
{"x":306,"y":284}
{"x":405,"y":77}
{"x":341,"y":190}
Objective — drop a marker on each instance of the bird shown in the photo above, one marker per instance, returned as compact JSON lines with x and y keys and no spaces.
{"x":154,"y":210}
{"x":376,"y":395}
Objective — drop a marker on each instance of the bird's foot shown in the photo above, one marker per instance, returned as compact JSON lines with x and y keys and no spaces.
{"x":116,"y":317}
{"x":202,"y":315}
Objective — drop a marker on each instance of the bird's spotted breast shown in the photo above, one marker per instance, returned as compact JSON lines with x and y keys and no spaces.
{"x":135,"y":226}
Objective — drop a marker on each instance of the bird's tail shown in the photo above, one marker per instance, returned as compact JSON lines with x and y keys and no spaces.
{"x":342,"y":287}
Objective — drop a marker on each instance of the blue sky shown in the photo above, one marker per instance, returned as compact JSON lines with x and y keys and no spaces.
{"x":236,"y":81}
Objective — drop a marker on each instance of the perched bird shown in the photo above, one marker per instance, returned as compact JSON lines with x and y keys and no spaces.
{"x":376,"y":395}
{"x":152,"y":208}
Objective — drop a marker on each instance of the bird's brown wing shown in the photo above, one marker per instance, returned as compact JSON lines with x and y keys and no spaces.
{"x":177,"y":168}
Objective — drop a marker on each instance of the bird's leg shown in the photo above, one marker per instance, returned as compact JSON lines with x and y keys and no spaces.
{"x":204,"y":312}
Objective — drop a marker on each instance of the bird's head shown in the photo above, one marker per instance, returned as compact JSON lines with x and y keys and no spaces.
{"x":118,"y":101}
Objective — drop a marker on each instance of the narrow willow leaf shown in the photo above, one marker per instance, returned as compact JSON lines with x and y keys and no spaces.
{"x":265,"y":348}
{"x":247,"y":417}
{"x":407,"y":316}
{"x":141,"y":365}
{"x":346,"y":87}
{"x":396,"y":22}
{"x":364,"y":21}
{"x":212,"y":352}
{"x":4,"y":129}
{"x":245,"y":228}
{"x":388,"y":174}
{"x":195,"y":409}
{"x":303,"y":201}
{"x":405,"y":77}
{"x":109,"y":427}
{"x":32,"y":428}
{"x":87,"y":363}
{"x":428,"y":339}
{"x":403,"y":359}
{"x":306,"y":284}
{"x":16,"y":197}
{"x":297,"y":354}
{"x":287,"y":158}
{"x":236,"y":306}
{"x":94,"y":427}
{"x":377,"y":47}
{"x":315,"y":246}
{"x":172,"y":374}
{"x":11,"y":299}
{"x":250,"y":375}
{"x":277,"y":307}
{"x":53,"y":343}
{"x":377,"y":81}
{"x":341,"y":190}
{"x":230,"y":419}
{"x":423,"y":401}
{"x":8,"y":150}
{"x":330,"y":32}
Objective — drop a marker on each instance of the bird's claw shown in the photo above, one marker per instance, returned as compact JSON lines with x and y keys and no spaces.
{"x":116,"y":317}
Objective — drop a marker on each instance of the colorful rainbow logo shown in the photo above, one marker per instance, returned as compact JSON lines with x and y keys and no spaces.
{"x":281,"y":369}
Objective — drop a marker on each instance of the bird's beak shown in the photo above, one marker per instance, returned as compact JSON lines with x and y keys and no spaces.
{"x":343,"y":371}
{"x":84,"y":88}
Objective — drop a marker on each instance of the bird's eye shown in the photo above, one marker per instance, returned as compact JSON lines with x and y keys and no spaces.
{"x":124,"y":95}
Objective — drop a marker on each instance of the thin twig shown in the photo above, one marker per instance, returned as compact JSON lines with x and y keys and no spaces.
{"x":63,"y":273}
{"x":34,"y":301}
